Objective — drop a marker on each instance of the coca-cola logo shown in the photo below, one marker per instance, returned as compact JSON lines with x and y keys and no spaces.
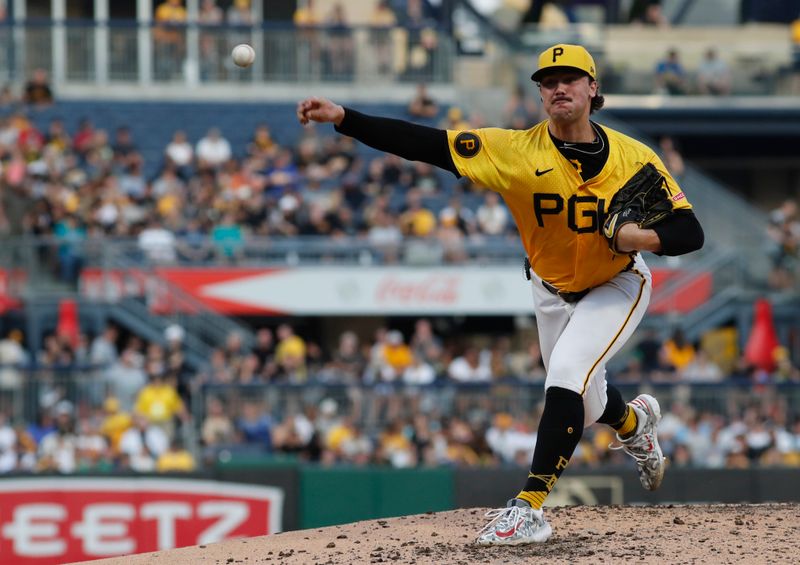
{"x":430,"y":290}
{"x":46,"y":521}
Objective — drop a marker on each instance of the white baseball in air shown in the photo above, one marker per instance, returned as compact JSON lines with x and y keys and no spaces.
{"x":243,"y":55}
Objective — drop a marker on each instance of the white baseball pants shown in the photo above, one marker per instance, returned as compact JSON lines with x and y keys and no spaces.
{"x":578,"y":339}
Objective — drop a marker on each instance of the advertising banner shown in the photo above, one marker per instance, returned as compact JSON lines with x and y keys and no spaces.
{"x":356,"y":291}
{"x":58,"y":520}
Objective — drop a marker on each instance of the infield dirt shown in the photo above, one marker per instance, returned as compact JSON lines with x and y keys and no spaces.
{"x":716,"y":534}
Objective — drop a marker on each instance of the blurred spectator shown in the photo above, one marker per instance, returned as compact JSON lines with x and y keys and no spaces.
{"x":228,"y":237}
{"x":114,"y":424}
{"x":209,"y":16}
{"x":290,"y":355}
{"x":37,"y":89}
{"x":455,"y":120}
{"x":492,"y":216}
{"x":8,"y":446}
{"x":262,"y":145}
{"x":125,"y":378}
{"x":126,"y":153}
{"x":103,"y":350}
{"x":58,"y":449}
{"x":157,"y":242}
{"x":180,"y":153}
{"x":7,"y":98}
{"x":423,"y":42}
{"x":239,"y":13}
{"x":83,"y":138}
{"x":670,"y":76}
{"x":91,"y":449}
{"x":264,"y":350}
{"x":395,"y":357}
{"x":142,"y":444}
{"x":648,"y":12}
{"x":701,"y":369}
{"x":339,"y":44}
{"x":348,"y":362}
{"x":520,"y":111}
{"x":423,"y":105}
{"x":306,"y":20}
{"x":176,"y":459}
{"x":672,"y":158}
{"x":416,"y":221}
{"x":506,"y":440}
{"x":70,"y":234}
{"x":381,"y":21}
{"x":677,"y":353}
{"x":783,"y":244}
{"x":385,"y":237}
{"x":648,"y":351}
{"x":159,"y":402}
{"x":713,"y":75}
{"x":213,"y":150}
{"x":395,"y":448}
{"x":471,"y":367}
{"x":450,"y":236}
{"x":169,"y":38}
{"x":254,"y":426}
{"x":12,"y":357}
{"x":425,"y":344}
{"x":217,"y":429}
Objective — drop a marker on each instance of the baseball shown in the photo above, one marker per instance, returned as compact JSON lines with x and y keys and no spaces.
{"x":243,"y":55}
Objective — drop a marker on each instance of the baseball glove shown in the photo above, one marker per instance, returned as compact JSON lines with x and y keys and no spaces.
{"x":643,"y":200}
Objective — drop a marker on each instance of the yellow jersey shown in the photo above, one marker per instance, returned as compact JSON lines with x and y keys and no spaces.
{"x":559,"y":215}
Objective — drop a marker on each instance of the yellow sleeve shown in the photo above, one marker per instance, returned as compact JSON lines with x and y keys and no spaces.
{"x":679,"y":200}
{"x":483,"y":155}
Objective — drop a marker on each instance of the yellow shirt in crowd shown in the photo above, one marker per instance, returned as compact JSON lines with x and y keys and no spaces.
{"x":159,"y":403}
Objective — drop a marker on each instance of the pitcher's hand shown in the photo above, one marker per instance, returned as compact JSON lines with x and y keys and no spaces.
{"x":319,"y":110}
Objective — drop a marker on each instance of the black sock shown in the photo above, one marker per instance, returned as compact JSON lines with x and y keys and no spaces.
{"x":614,"y":414}
{"x":560,"y":430}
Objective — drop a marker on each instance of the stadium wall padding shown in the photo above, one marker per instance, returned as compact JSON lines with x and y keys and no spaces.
{"x":341,"y":495}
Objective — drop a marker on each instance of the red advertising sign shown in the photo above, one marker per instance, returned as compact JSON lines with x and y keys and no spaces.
{"x":60,"y":520}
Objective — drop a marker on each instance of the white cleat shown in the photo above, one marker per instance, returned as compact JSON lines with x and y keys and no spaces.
{"x":643,"y":445}
{"x":516,"y":524}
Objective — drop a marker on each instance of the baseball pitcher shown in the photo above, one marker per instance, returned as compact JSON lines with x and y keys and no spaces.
{"x":586,"y":200}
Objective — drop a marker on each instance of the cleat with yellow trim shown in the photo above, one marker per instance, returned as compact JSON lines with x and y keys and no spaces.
{"x":643,"y":444}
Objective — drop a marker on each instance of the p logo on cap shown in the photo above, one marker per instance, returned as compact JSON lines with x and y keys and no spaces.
{"x":565,"y":56}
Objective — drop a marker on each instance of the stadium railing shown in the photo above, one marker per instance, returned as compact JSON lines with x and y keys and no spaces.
{"x":102,"y":53}
{"x":28,"y":390}
{"x":127,"y":51}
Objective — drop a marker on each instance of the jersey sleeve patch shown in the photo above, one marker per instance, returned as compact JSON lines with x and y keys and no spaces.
{"x":679,"y":196}
{"x":467,"y":144}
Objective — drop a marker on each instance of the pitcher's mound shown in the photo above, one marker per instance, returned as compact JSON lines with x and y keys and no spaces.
{"x":762,"y":533}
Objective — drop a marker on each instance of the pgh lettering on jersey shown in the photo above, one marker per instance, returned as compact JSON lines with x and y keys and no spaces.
{"x":559,"y":215}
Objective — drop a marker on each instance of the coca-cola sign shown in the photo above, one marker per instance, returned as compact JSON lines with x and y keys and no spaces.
{"x":47,"y":521}
{"x":353,"y":291}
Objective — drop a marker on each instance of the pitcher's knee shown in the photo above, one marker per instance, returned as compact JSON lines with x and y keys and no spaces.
{"x":565,"y":376}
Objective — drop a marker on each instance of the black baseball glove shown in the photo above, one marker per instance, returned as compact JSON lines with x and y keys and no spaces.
{"x":643,"y":200}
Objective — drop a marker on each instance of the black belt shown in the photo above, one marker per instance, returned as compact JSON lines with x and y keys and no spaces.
{"x":568,"y":297}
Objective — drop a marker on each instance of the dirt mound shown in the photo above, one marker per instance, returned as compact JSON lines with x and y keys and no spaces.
{"x":763,"y":533}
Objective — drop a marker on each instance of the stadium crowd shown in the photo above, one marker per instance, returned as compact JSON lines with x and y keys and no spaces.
{"x":383,"y":400}
{"x":394,"y":400}
{"x":208,"y":198}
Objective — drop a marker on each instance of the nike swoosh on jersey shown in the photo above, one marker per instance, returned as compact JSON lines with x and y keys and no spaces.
{"x":540,"y":173}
